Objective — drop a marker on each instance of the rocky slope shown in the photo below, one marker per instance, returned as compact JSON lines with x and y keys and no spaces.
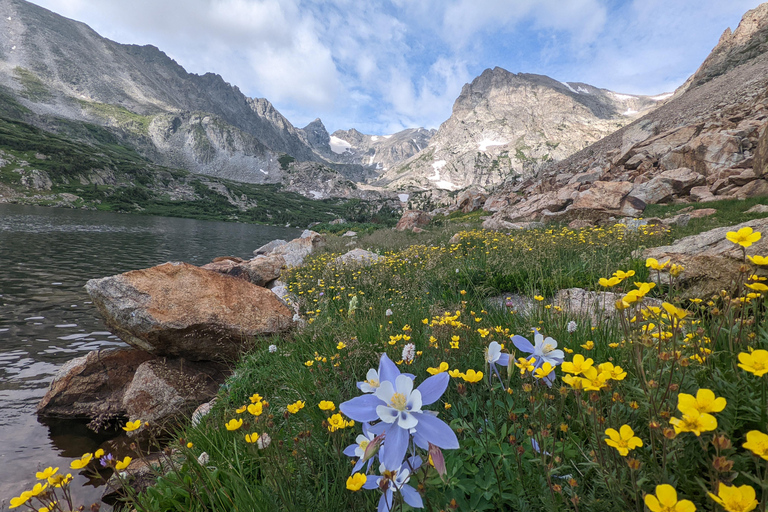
{"x":505,"y":124}
{"x":707,"y":142}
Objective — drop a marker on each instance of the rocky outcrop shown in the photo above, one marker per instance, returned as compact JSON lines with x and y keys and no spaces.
{"x":294,"y":252}
{"x":261,"y":270}
{"x":359,"y":257}
{"x":471,"y":200}
{"x":413,"y":219}
{"x":180,"y":310}
{"x":595,"y":305}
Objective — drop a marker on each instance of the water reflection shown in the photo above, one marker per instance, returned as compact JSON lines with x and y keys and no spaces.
{"x":47,"y":318}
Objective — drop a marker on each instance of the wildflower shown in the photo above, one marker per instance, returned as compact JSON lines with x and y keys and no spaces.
{"x":455,"y":373}
{"x":758,"y":287}
{"x":409,"y":352}
{"x":132,"y":425}
{"x":494,"y":356}
{"x":743,"y":237}
{"x":589,"y":345}
{"x":543,"y":371}
{"x":624,"y":440}
{"x":398,"y":405}
{"x":272,"y":349}
{"x":356,"y":481}
{"x":613,"y":372}
{"x":624,"y":275}
{"x":341,"y":345}
{"x":571,"y":327}
{"x":443,"y":367}
{"x":694,"y":421}
{"x":455,"y":344}
{"x":735,"y":499}
{"x":592,"y":380}
{"x":578,"y":365}
{"x":388,"y":312}
{"x":608,"y":283}
{"x":544,"y":349}
{"x":574,"y":382}
{"x":757,"y":443}
{"x":106,"y":460}
{"x":361,"y":445}
{"x":21,"y":500}
{"x":483,"y":332}
{"x":295,"y":407}
{"x":538,"y":298}
{"x":46,"y":473}
{"x":326,"y":405}
{"x":391,"y":481}
{"x":525,"y":365}
{"x":309,"y":363}
{"x":81,"y":462}
{"x":190,"y":445}
{"x":704,"y":402}
{"x":665,"y":500}
{"x":472,"y":376}
{"x":755,"y":363}
{"x":234,"y":424}
{"x":241,"y":410}
{"x":655,"y":265}
{"x":122,"y":464}
{"x":758,"y":260}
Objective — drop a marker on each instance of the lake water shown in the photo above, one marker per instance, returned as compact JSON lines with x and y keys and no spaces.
{"x":46,"y":317}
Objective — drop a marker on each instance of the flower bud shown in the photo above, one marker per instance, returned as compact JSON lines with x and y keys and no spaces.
{"x":722,"y":465}
{"x":721,"y":442}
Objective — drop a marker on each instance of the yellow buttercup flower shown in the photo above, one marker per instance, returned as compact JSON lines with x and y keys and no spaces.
{"x":755,"y":363}
{"x":337,"y":422}
{"x":255,"y":398}
{"x":252,"y":438}
{"x":132,"y":425}
{"x":623,"y":275}
{"x":525,"y":365}
{"x":589,"y":345}
{"x":574,"y":382}
{"x":122,"y":464}
{"x":326,"y":405}
{"x":757,"y":443}
{"x":743,"y":237}
{"x":538,"y":297}
{"x":440,"y":369}
{"x":20,"y":500}
{"x":46,"y":473}
{"x":81,"y":462}
{"x":295,"y":407}
{"x":695,"y":422}
{"x":356,"y":481}
{"x":624,"y":440}
{"x":703,"y":402}
{"x":234,"y":424}
{"x":613,"y":372}
{"x":758,"y":260}
{"x":241,"y":410}
{"x":735,"y":499}
{"x":593,"y":380}
{"x":758,"y":287}
{"x":472,"y":376}
{"x":98,"y":454}
{"x":654,"y":264}
{"x":544,"y":370}
{"x":38,"y":489}
{"x":455,"y":373}
{"x":256,"y":409}
{"x":665,"y":500}
{"x":578,"y":365}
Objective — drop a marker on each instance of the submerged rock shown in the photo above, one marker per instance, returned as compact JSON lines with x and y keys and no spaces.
{"x":180,"y":310}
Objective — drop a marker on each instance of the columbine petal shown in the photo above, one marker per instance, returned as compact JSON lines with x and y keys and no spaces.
{"x":387,"y":414}
{"x":385,"y":392}
{"x":386,"y":502}
{"x":388,"y":370}
{"x":407,"y":420}
{"x":436,"y":431}
{"x":503,"y":360}
{"x":404,"y":385}
{"x":361,"y":408}
{"x":411,"y":496}
{"x":433,"y":388}
{"x":372,"y":482}
{"x":414,"y":401}
{"x":349,"y":451}
{"x":394,"y":447}
{"x":522,"y":344}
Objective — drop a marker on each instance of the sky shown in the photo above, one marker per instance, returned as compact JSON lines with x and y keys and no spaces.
{"x":382,"y":66}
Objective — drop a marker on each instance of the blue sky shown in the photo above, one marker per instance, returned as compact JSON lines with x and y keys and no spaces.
{"x":381,"y":66}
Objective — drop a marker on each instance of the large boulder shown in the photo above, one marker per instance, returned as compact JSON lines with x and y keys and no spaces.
{"x":162,"y":389}
{"x":358,"y":257}
{"x":260,"y":270}
{"x":269,"y":247}
{"x":471,"y":200}
{"x":595,"y":305}
{"x":605,"y":198}
{"x":179,"y":310}
{"x":93,"y":385}
{"x":706,"y":153}
{"x":297,"y":249}
{"x":668,"y":184}
{"x":760,"y":164}
{"x":413,"y":219}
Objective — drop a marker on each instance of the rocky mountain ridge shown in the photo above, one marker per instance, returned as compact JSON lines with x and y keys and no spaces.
{"x":505,"y":124}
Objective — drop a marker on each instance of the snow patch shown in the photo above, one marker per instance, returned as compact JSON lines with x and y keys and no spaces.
{"x":437,"y":166}
{"x":440,"y":183}
{"x":569,"y":87}
{"x":403,"y":197}
{"x":386,"y":136}
{"x":316,"y":194}
{"x":339,"y":146}
{"x":262,"y":170}
{"x":629,"y":112}
{"x":661,"y":97}
{"x":374,"y":138}
{"x":582,"y":89}
{"x":623,"y":97}
{"x":486,"y":143}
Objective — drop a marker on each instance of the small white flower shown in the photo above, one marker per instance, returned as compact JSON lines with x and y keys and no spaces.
{"x":203,"y":459}
{"x":296,"y":317}
{"x":572,"y":327}
{"x":457,"y":271}
{"x":409,"y":352}
{"x":263,"y":441}
{"x":388,"y":312}
{"x":371,"y":382}
{"x":272,"y":349}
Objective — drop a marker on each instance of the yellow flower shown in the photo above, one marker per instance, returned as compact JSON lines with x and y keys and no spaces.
{"x":758,"y":287}
{"x":447,"y":406}
{"x":295,"y":407}
{"x":623,"y":275}
{"x":655,"y":265}
{"x":757,"y":443}
{"x":483,"y":332}
{"x":252,"y":438}
{"x":341,"y":345}
{"x":743,"y":237}
{"x":673,"y":311}
{"x":440,"y":369}
{"x":337,"y":422}
{"x":755,"y":363}
{"x":613,"y":372}
{"x":544,"y":370}
{"x":234,"y":424}
{"x":624,"y":440}
{"x":735,"y":499}
{"x":81,"y":462}
{"x":578,"y":365}
{"x":46,"y":473}
{"x":309,"y":363}
{"x":190,"y":445}
{"x":758,"y":260}
{"x":463,"y":292}
{"x":122,"y":464}
{"x":256,"y":409}
{"x":472,"y":376}
{"x":326,"y":405}
{"x":609,"y":283}
{"x":704,"y":402}
{"x":525,"y":365}
{"x":589,"y":345}
{"x":19,"y":501}
{"x":60,"y":480}
{"x":538,"y":297}
{"x":694,"y":421}
{"x":455,"y":373}
{"x":356,"y":481}
{"x":38,"y":489}
{"x":255,"y":398}
{"x":98,"y":453}
{"x":574,"y":382}
{"x":592,"y":380}
{"x":665,"y":500}
{"x":241,"y":410}
{"x":454,"y":344}
{"x":132,"y":425}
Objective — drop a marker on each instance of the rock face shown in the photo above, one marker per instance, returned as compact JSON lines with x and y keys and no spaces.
{"x":177,"y":309}
{"x":261,"y":270}
{"x":294,"y":252}
{"x":506,"y":124}
{"x":92,"y":385}
{"x":413,"y":219}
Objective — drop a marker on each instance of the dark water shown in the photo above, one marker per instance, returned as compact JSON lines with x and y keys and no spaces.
{"x":46,"y":317}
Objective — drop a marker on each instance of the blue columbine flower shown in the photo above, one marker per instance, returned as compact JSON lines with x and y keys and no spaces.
{"x":494,"y":356}
{"x":544,"y":351}
{"x":358,"y":448}
{"x":397,"y":480}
